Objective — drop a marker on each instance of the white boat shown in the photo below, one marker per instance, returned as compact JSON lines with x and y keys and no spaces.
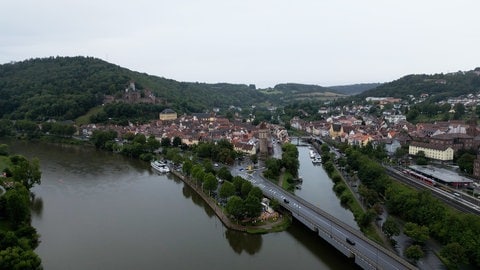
{"x":312,"y":154}
{"x":317,"y":159}
{"x":160,"y":166}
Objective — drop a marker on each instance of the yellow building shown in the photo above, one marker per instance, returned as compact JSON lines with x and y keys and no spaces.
{"x":433,"y":151}
{"x":168,"y":114}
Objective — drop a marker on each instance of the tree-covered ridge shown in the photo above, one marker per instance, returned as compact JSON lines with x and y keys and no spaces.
{"x":437,"y":86}
{"x":65,"y":88}
{"x":354,"y":89}
{"x":287,"y":93}
{"x":18,"y":238}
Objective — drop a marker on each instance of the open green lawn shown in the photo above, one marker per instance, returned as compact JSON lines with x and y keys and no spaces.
{"x":85,"y":119}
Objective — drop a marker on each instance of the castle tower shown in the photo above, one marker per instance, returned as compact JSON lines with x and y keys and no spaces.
{"x":263,"y":136}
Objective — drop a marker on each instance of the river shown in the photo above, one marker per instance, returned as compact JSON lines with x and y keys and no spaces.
{"x":98,"y":210}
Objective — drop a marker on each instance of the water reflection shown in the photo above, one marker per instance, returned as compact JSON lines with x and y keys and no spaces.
{"x":240,"y":241}
{"x":197,"y":200}
{"x":36,"y":205}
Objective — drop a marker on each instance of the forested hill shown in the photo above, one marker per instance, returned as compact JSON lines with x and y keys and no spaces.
{"x":293,"y":92}
{"x":67,"y":87}
{"x":437,"y":86}
{"x":354,"y":89}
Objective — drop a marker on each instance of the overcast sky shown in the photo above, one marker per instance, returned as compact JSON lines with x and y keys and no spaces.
{"x":264,"y":42}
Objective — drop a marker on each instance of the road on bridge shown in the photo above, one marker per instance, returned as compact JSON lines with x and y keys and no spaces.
{"x":348,"y":240}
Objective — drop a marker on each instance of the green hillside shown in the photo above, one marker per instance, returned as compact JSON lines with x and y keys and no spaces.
{"x":354,"y":89}
{"x":288,"y":93}
{"x":65,"y":88}
{"x":437,"y":86}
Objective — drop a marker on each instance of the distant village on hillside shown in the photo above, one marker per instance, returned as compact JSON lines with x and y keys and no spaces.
{"x":438,"y":141}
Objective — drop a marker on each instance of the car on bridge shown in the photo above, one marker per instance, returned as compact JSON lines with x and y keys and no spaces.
{"x":350,"y":241}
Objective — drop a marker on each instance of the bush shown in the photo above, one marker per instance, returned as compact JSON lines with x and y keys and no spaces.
{"x":146,"y":156}
{"x":346,"y":198}
{"x":339,"y":188}
{"x":336,"y":178}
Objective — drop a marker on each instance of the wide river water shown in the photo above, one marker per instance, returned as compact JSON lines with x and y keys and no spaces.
{"x":98,"y":210}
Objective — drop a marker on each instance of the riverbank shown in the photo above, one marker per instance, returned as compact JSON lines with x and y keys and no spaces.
{"x":280,"y":224}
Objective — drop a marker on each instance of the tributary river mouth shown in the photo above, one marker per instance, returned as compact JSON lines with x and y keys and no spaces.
{"x":98,"y":210}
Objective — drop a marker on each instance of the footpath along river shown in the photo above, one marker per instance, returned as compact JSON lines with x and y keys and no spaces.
{"x":97,"y":210}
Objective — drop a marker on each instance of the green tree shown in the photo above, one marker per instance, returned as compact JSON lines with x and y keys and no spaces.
{"x":19,"y":259}
{"x":324,"y":148}
{"x":177,"y":141}
{"x":208,"y":167}
{"x":273,"y":166}
{"x":129,"y":136}
{"x":421,"y":158}
{"x":210,"y":182}
{"x":414,"y":252}
{"x":198,"y":173}
{"x":235,"y":207}
{"x":367,"y":218}
{"x":17,"y":205}
{"x":165,"y":142}
{"x":252,"y":205}
{"x":24,"y":171}
{"x":459,"y":111}
{"x":224,"y":173}
{"x":455,"y":255}
{"x":187,"y":167}
{"x":100,"y":138}
{"x":465,"y":163}
{"x":227,"y":189}
{"x":246,"y":188}
{"x":140,"y":139}
{"x":6,"y":127}
{"x":257,"y":192}
{"x":8,"y":239}
{"x":419,"y":234}
{"x":28,"y":232}
{"x":390,"y":227}
{"x":237,"y":182}
{"x":329,"y":167}
{"x":3,"y":150}
{"x":152,"y":143}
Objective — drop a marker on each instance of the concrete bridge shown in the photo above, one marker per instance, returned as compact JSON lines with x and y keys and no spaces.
{"x":366,"y":253}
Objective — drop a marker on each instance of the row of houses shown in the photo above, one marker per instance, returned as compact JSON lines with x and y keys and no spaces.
{"x":439,"y":141}
{"x":202,"y":127}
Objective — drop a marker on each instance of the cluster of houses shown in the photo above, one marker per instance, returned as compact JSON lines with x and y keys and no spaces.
{"x":438,"y":141}
{"x":203,"y":127}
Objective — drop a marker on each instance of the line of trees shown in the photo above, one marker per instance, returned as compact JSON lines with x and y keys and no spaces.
{"x":289,"y":164}
{"x":18,"y":238}
{"x":425,"y":216}
{"x":243,"y":200}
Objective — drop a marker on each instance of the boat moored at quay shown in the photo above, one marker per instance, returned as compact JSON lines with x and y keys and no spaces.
{"x":160,"y":166}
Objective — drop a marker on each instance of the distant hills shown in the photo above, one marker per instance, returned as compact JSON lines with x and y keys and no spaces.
{"x":437,"y":86}
{"x":354,"y":89}
{"x":65,"y":88}
{"x":68,"y":87}
{"x":294,"y":92}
